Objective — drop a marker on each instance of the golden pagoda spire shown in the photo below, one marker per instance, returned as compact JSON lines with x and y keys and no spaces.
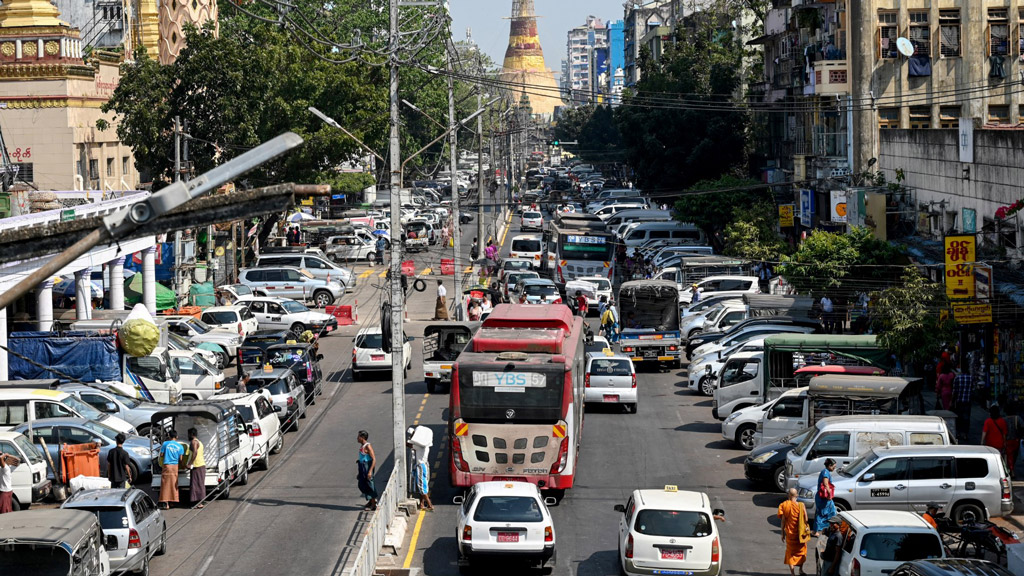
{"x":21,"y":13}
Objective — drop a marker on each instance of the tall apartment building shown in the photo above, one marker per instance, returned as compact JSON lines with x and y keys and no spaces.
{"x":650,"y":23}
{"x":586,"y":44}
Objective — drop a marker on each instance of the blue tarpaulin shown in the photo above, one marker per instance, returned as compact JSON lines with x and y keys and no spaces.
{"x":86,"y":356}
{"x":164,"y":261}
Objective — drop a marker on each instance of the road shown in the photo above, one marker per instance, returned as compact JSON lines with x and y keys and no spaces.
{"x":304,"y":515}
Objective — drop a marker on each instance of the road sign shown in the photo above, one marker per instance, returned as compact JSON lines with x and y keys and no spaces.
{"x":67,"y":215}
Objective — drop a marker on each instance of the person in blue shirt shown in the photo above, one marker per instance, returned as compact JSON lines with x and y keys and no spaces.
{"x":171,"y":453}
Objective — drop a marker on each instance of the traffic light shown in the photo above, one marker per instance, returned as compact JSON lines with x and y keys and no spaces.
{"x":553,"y":142}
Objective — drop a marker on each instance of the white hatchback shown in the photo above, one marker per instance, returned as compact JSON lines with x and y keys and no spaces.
{"x":235,"y":317}
{"x":508,"y":520}
{"x":531,"y":220}
{"x":610,"y":379}
{"x":368,"y":356}
{"x":262,"y":424}
{"x":669,"y":532}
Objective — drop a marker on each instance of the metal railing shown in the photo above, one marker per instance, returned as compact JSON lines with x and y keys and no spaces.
{"x":376,"y":530}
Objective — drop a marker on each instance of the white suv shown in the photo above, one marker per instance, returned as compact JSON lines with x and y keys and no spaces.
{"x":878,"y":541}
{"x":669,"y":532}
{"x":286,"y":314}
{"x":367,"y":355}
{"x":231,"y":317}
{"x":505,"y":519}
{"x":265,"y":436}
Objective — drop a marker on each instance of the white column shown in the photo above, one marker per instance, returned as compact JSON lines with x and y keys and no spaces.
{"x":149,"y":279}
{"x":44,"y":306}
{"x":3,"y":342}
{"x":83,"y":294}
{"x":116,"y":296}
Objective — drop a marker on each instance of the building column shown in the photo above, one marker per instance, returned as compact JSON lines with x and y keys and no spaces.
{"x":149,"y":279}
{"x":44,"y":306}
{"x":116,"y":270}
{"x":3,"y":342}
{"x":83,"y":294}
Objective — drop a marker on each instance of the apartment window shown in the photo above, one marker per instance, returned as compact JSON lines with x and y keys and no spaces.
{"x":887,"y":34}
{"x":920,"y":117}
{"x":110,"y":167}
{"x":949,"y":33}
{"x":124,"y":165}
{"x":920,"y":33}
{"x":949,"y":117}
{"x":94,"y":169}
{"x":888,"y":118}
{"x":998,"y":32}
{"x":25,"y":171}
{"x":998,"y":114}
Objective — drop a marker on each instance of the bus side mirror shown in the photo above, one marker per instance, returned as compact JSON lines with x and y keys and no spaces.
{"x":458,"y":500}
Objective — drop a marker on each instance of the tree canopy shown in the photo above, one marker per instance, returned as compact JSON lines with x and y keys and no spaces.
{"x":711,"y":204}
{"x":844,"y":264}
{"x":909,"y":317}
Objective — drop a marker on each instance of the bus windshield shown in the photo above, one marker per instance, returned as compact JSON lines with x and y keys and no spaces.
{"x":585,"y":246}
{"x":525,"y":394}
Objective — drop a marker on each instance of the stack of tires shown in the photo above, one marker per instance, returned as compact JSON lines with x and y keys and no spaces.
{"x":40,"y":201}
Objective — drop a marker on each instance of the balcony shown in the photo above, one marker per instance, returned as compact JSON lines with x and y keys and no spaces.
{"x":831,"y":77}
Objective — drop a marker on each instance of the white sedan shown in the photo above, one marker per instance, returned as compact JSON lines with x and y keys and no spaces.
{"x":669,"y":532}
{"x":506,"y":521}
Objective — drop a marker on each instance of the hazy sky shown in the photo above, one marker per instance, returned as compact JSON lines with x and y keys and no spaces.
{"x":489,"y":21}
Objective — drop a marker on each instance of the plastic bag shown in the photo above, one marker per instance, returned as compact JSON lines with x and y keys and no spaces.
{"x":139,"y":335}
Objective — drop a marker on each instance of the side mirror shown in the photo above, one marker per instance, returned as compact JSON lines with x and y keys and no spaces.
{"x":319,"y":357}
{"x":869,"y":477}
{"x":719,"y":514}
{"x":248,"y":428}
{"x":110,"y":408}
{"x":620,"y":508}
{"x":458,"y":500}
{"x":771,"y":413}
{"x":549,"y":501}
{"x":277,"y":408}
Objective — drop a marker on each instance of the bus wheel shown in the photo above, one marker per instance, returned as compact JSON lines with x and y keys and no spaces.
{"x":557,"y":494}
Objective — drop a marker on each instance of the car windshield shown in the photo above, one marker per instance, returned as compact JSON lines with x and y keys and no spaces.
{"x":27,"y":448}
{"x":241,"y":289}
{"x":804,"y":444}
{"x":105,"y":431}
{"x":199,"y":326}
{"x":110,"y":518}
{"x":220,"y":317}
{"x":531,"y":215}
{"x":275,"y":386}
{"x":526,"y":245}
{"x":516,"y":264}
{"x":293,"y":307}
{"x":202,"y":362}
{"x":860,"y":464}
{"x":82,"y":409}
{"x":796,"y":437}
{"x":610,"y":367}
{"x":246,"y":412}
{"x":369,"y":340}
{"x":673,"y":523}
{"x":900,"y":546}
{"x":601,"y":283}
{"x":508,"y":509}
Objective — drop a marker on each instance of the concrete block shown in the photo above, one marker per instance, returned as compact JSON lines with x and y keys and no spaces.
{"x":396,"y":534}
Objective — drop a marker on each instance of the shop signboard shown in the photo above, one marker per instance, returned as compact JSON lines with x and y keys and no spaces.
{"x":960,"y":255}
{"x":972,"y":313}
{"x":785,"y":216}
{"x":838,"y":206}
{"x":982,"y":281}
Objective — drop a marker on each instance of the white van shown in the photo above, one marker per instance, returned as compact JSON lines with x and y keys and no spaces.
{"x":527,"y":246}
{"x":28,"y":479}
{"x":198,"y":378}
{"x":639,"y":233}
{"x":606,"y":212}
{"x":20,"y":405}
{"x":638,"y":215}
{"x":844,"y":438}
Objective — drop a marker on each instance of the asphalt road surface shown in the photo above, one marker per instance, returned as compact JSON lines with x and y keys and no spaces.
{"x":304,"y":515}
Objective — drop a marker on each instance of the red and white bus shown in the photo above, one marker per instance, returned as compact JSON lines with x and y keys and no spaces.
{"x":516,"y":407}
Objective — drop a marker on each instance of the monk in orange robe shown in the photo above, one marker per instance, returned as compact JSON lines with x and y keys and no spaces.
{"x":795,"y":532}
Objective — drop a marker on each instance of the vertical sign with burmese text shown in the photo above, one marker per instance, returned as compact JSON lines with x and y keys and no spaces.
{"x":960,"y":258}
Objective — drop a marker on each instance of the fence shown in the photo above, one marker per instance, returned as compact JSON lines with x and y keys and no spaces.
{"x":373,"y":536}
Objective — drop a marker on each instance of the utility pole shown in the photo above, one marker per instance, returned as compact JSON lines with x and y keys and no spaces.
{"x":400,"y":472}
{"x":454,"y":153}
{"x":480,"y":240}
{"x":177,"y":233}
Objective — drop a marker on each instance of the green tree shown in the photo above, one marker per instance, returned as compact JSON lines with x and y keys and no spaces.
{"x":909,"y":317}
{"x":594,"y":129}
{"x":685,"y":121}
{"x":710,"y":211}
{"x":752,"y":236}
{"x":842,"y":263}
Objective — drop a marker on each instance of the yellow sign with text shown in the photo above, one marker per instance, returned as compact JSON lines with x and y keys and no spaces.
{"x":786,"y":216}
{"x":972,"y":313}
{"x":305,"y":201}
{"x":960,"y":258}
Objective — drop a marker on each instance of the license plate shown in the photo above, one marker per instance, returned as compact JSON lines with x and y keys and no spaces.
{"x":329,"y":328}
{"x":650,"y":353}
{"x":611,"y":397}
{"x":508,"y":536}
{"x":673,"y":555}
{"x":376,"y":357}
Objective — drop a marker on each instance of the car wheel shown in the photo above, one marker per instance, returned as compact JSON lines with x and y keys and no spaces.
{"x":144,"y":571}
{"x":968,"y":513}
{"x":431,"y":386}
{"x":162,"y":549}
{"x":295,"y":424}
{"x":779,"y":478}
{"x":133,"y":469}
{"x":243,"y":478}
{"x":356,"y":376}
{"x":323,"y":298}
{"x":280,"y":444}
{"x":841,"y":505}
{"x":15,"y":505}
{"x":222,"y":359}
{"x":707,"y":386}
{"x":298,"y":328}
{"x":263,"y":463}
{"x":745,"y":437}
{"x":371,"y":257}
{"x":303,"y":414}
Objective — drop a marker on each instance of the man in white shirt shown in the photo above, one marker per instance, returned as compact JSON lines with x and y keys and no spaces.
{"x":7,"y":464}
{"x":827,"y":316}
{"x":441,"y":307}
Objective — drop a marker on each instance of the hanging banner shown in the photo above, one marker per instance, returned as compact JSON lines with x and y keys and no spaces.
{"x":960,"y":254}
{"x":786,"y":216}
{"x":838,"y":206}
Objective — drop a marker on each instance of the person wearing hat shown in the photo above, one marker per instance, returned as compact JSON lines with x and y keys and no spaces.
{"x":931,"y":512}
{"x":695,"y":293}
{"x":833,"y":547}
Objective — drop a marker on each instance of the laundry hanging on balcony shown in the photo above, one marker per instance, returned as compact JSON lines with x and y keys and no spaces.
{"x":919,"y":66}
{"x":997,"y":70}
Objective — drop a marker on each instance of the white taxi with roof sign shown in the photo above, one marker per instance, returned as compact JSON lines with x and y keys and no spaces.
{"x":669,"y":531}
{"x":507,"y":520}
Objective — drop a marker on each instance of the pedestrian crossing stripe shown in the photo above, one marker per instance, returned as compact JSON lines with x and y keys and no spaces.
{"x":461,"y":429}
{"x":383,"y":274}
{"x":426,"y":271}
{"x":365,"y":275}
{"x":558,"y":431}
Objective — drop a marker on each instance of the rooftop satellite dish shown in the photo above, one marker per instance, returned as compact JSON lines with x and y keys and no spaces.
{"x":905,"y":47}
